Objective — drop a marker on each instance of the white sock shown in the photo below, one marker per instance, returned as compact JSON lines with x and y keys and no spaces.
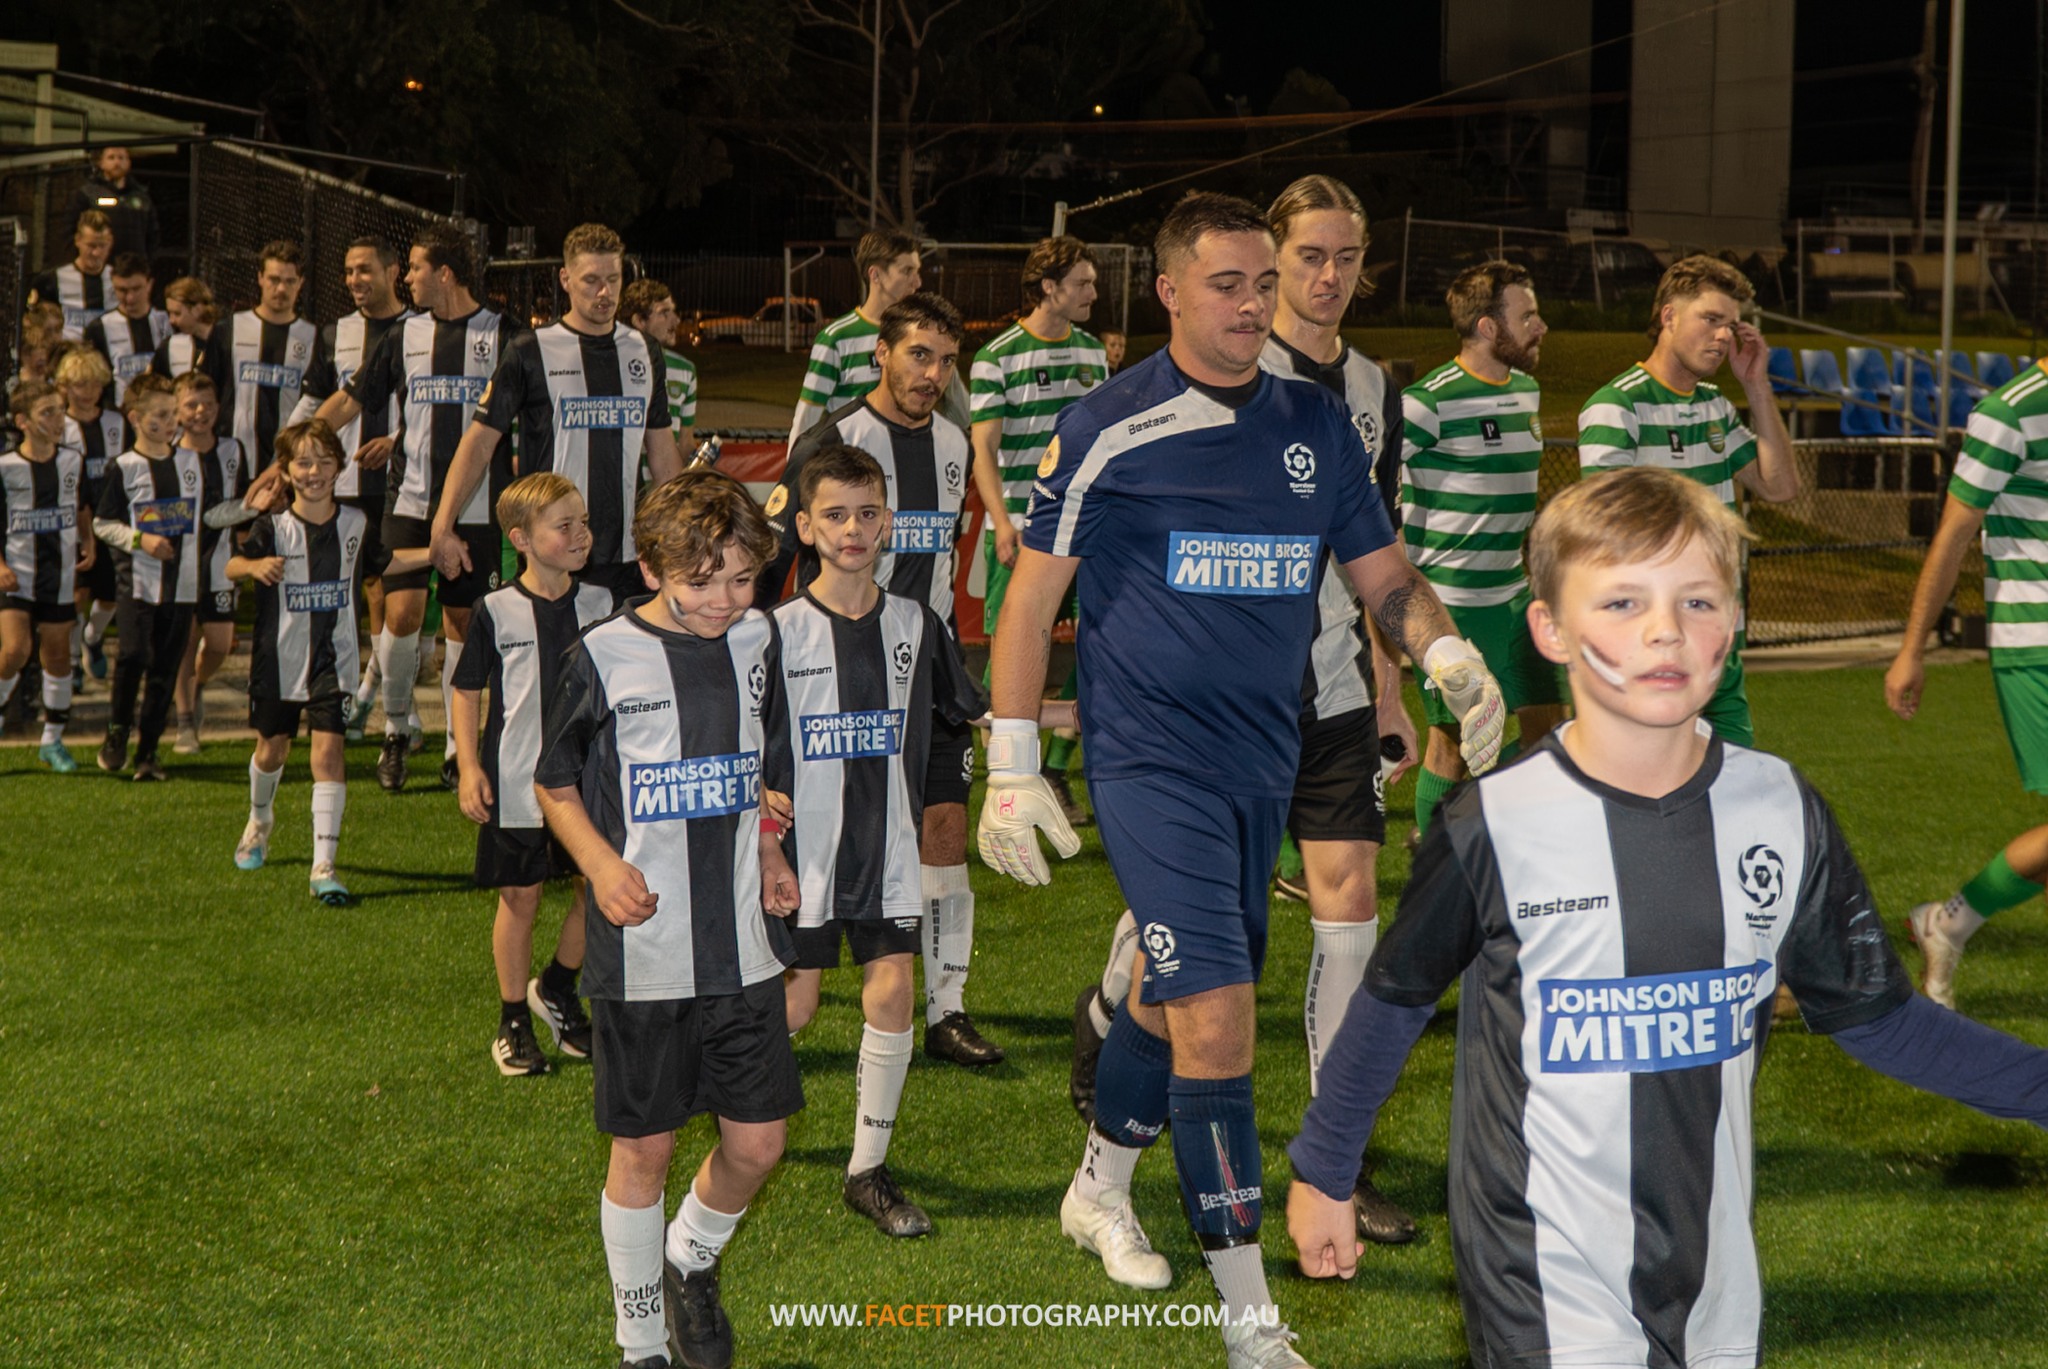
{"x":373,"y":671}
{"x":96,"y":623}
{"x":451,"y":654}
{"x":1106,"y":1170}
{"x":7,"y":692}
{"x":401,"y":661}
{"x":1336,"y":967}
{"x":56,"y":705}
{"x":1956,"y":919}
{"x":878,"y":1085}
{"x":329,"y":798}
{"x":1240,"y":1275}
{"x":948,"y":939}
{"x":1116,"y":973}
{"x":698,"y":1235}
{"x":263,"y":791}
{"x":632,"y":1251}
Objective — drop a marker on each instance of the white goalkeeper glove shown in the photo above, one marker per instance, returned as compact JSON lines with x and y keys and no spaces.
{"x":1469,"y":690}
{"x":1018,"y":805}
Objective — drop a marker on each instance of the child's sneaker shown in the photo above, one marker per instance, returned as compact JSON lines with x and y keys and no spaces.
{"x":254,"y":847}
{"x":113,"y":756}
{"x":565,"y":1018}
{"x":188,"y":738}
{"x":328,"y":889}
{"x":516,"y":1052}
{"x":148,"y":770}
{"x":59,"y":759}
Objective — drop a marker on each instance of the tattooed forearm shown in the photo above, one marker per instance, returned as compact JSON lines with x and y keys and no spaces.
{"x":1410,"y":614}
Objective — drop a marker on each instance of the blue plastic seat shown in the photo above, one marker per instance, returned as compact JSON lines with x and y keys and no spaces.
{"x":1962,"y":399}
{"x":1784,"y":372}
{"x":1957,"y":361}
{"x":1921,"y":404}
{"x":1994,"y":369}
{"x":1823,"y":372}
{"x":1867,"y":369}
{"x":1871,"y":418}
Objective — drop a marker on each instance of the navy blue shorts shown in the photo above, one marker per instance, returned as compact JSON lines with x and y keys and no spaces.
{"x":1194,"y":865}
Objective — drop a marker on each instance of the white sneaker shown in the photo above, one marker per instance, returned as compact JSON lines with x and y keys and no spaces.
{"x":1941,"y":940}
{"x":254,"y":846}
{"x":1111,"y":1231}
{"x":1256,"y":1345}
{"x":188,"y":740}
{"x":418,"y":730}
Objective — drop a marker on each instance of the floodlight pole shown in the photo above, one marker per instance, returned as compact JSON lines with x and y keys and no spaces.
{"x":1059,"y":218}
{"x":1948,"y":218}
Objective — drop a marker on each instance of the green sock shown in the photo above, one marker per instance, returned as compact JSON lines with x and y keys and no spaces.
{"x":1430,"y":789}
{"x":1290,"y":857}
{"x":1997,"y":887}
{"x":1058,"y":752}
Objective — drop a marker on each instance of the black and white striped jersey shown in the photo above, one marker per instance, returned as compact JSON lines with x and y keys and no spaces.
{"x":861,"y":693}
{"x":128,"y":344}
{"x":347,"y":345}
{"x":39,"y":506}
{"x":927,"y":470}
{"x":437,"y":370}
{"x":271,"y":362}
{"x":166,"y":496}
{"x":584,"y":405}
{"x":227,"y":477}
{"x":1619,"y":956}
{"x":669,"y":739}
{"x":82,"y":297}
{"x":98,"y":441}
{"x":1337,"y":681}
{"x":182,"y":353}
{"x":305,"y":641}
{"x":515,"y":649}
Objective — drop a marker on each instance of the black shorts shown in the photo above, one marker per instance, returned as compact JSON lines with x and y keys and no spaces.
{"x":1338,"y":795}
{"x":104,"y":579}
{"x":949,"y":770}
{"x":869,"y":938}
{"x":622,"y":578}
{"x":485,"y":559}
{"x":280,"y":717}
{"x":659,"y":1064}
{"x":518,"y":857}
{"x":39,"y":612}
{"x":370,"y":559}
{"x":216,"y":605}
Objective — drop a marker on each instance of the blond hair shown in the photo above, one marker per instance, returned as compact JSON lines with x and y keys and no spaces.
{"x":684,"y":523}
{"x":1690,"y":277}
{"x":83,"y":364}
{"x":1639,"y":513}
{"x":525,"y":498}
{"x":1311,"y":194}
{"x":195,"y":295}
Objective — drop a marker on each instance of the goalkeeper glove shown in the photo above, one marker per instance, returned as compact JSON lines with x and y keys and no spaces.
{"x":1469,"y":690}
{"x":1018,"y":805}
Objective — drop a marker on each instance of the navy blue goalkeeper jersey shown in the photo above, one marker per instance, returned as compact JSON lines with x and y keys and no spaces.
{"x":1200,"y":524}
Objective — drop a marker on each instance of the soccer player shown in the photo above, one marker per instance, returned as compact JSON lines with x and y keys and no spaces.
{"x":1468,"y":495}
{"x":2000,"y":487}
{"x":519,"y":637}
{"x":271,"y":350}
{"x":1601,"y":1155}
{"x":842,"y":358}
{"x":124,"y":201}
{"x":1194,"y":498}
{"x":1114,"y":342}
{"x":649,"y":306}
{"x":670,"y":716}
{"x":129,"y":334}
{"x":1021,"y":380}
{"x":924,"y":459}
{"x":865,"y":672}
{"x":195,"y":344}
{"x":303,"y":658}
{"x":84,"y":288}
{"x":1665,"y":413}
{"x":99,"y":434}
{"x":213,"y":637}
{"x":437,"y":366}
{"x":43,"y":499}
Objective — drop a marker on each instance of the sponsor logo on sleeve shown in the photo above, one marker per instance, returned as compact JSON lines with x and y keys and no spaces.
{"x":603,"y":411}
{"x":1241,"y":563}
{"x":1368,"y":425}
{"x":1648,"y":1024}
{"x":1050,"y":462}
{"x":316,"y":596}
{"x":269,"y":376}
{"x":921,"y":532}
{"x":848,"y":736}
{"x":778,"y":500}
{"x":447,"y":389}
{"x":700,"y":787}
{"x":1536,"y":429}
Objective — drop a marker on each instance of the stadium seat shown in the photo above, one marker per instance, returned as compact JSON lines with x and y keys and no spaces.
{"x":1922,"y":401}
{"x":1959,"y":361}
{"x":1784,"y":372}
{"x":1867,"y":370}
{"x":1823,"y":372}
{"x":1871,"y":418}
{"x":1994,"y":369}
{"x":1961,"y":400}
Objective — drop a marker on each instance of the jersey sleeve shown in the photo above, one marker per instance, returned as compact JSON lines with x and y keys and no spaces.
{"x":1993,"y":447}
{"x":479,"y":650}
{"x":781,"y":509}
{"x":1835,"y":956}
{"x":1608,"y":430}
{"x":657,"y":410}
{"x":685,"y":390}
{"x":778,"y":760}
{"x":954,"y":694}
{"x":1741,"y":441}
{"x":1065,"y":508}
{"x":112,"y":504}
{"x":1419,"y":423}
{"x":376,"y":380}
{"x":987,"y":397}
{"x":506,"y":394}
{"x":260,"y":542}
{"x":1361,"y":526}
{"x":1437,"y":932}
{"x":570,"y":718}
{"x":319,"y":380}
{"x":821,"y":376}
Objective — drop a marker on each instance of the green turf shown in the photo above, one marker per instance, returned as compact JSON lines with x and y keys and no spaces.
{"x":246,"y":1129}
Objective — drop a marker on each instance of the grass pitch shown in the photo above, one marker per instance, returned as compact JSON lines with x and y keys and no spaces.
{"x":246,"y":1129}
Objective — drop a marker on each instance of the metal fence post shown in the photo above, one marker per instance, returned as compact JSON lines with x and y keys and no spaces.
{"x":1799,"y":262}
{"x":1407,"y":223}
{"x":1593,"y":246}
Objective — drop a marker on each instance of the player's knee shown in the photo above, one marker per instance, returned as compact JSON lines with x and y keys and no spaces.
{"x":754,"y":1150}
{"x":639,"y":1168}
{"x":800,"y":999}
{"x":944,"y":838}
{"x":519,"y":905}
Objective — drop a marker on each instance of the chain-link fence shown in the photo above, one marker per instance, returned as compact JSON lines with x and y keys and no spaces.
{"x":1425,"y":255}
{"x":527,"y":290}
{"x":243,"y":198}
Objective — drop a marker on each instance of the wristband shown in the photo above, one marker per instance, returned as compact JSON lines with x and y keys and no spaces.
{"x":1447,"y":651}
{"x":771,"y":827}
{"x":136,"y":543}
{"x":1013,"y":746}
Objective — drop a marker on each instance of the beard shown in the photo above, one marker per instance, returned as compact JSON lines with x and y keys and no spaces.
{"x":1519,"y":356}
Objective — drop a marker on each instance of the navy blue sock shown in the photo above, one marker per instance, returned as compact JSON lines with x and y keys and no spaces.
{"x":1216,"y":1152}
{"x":1130,"y":1084}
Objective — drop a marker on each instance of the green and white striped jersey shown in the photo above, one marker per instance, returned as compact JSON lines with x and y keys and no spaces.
{"x":682,"y":391}
{"x":1468,"y":483}
{"x":1023,"y":381}
{"x":842,"y":369}
{"x":1635,"y":421}
{"x":2003,"y":470}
